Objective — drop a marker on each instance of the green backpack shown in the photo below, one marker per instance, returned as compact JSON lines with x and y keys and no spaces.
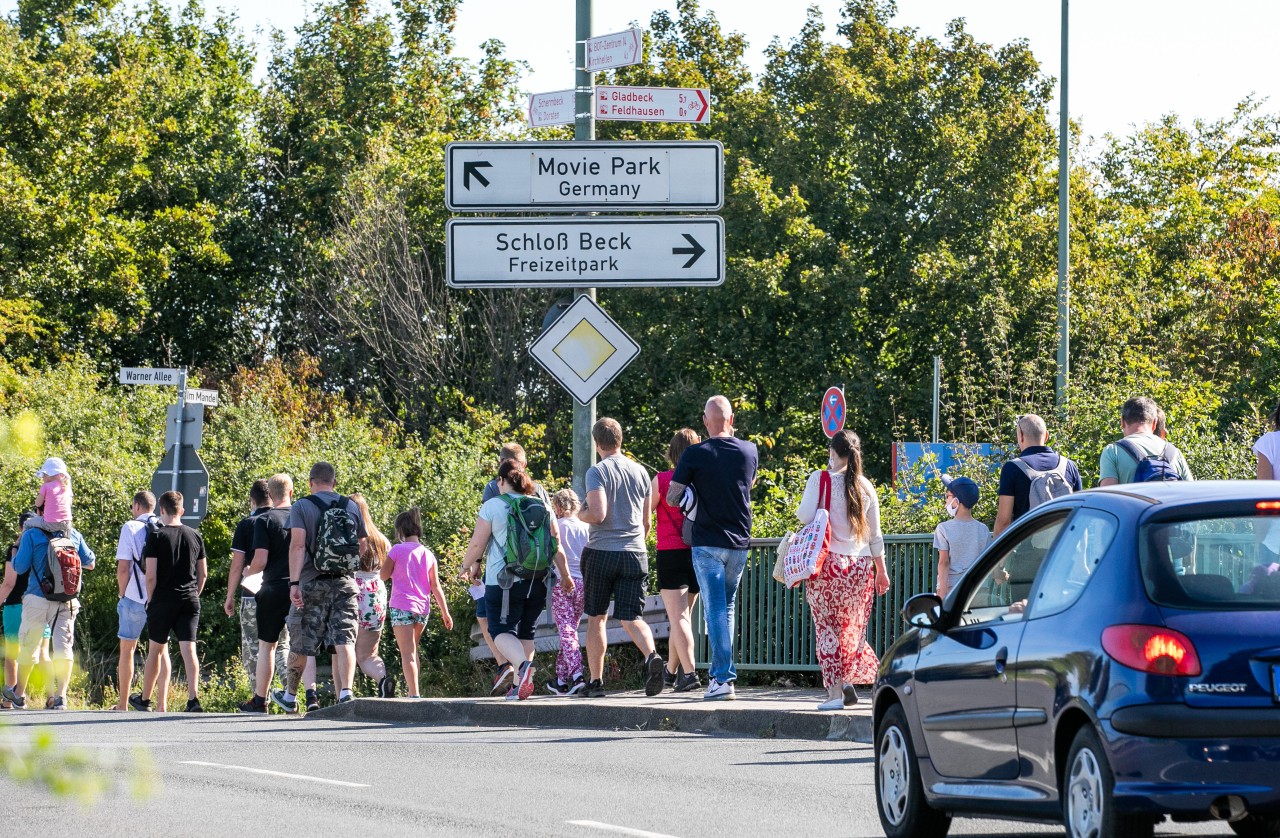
{"x":530,"y":545}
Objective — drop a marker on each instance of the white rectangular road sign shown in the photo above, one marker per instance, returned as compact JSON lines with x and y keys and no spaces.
{"x":654,"y":104}
{"x":584,"y":349}
{"x":204,"y":397}
{"x":582,"y":176}
{"x":618,"y":49}
{"x":146,"y":375}
{"x":582,"y":252}
{"x":554,"y":108}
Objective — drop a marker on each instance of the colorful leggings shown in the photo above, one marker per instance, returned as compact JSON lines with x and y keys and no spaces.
{"x":840,"y":600}
{"x":567,"y":610}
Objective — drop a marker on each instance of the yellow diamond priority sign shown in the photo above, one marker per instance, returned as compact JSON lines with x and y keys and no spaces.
{"x":584,"y":350}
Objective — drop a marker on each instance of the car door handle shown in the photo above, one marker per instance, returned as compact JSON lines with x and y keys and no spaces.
{"x":1002,"y":658}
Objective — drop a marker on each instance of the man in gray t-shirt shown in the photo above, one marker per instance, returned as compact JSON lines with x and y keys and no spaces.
{"x":615,"y":562}
{"x":324,"y":606}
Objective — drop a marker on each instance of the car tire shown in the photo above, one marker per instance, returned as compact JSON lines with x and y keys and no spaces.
{"x":1255,"y":826}
{"x":1087,"y":793}
{"x":904,"y":812}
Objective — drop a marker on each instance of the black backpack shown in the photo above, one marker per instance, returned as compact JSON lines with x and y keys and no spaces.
{"x":151,"y":526}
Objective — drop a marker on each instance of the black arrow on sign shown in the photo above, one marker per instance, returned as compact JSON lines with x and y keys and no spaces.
{"x":470,"y":170}
{"x":694,"y":252}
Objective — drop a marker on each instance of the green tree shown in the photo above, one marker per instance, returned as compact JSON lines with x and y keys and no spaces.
{"x":127,"y":184}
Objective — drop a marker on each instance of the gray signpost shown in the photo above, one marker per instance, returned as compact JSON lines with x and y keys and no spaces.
{"x":181,"y":469}
{"x":583,"y":252}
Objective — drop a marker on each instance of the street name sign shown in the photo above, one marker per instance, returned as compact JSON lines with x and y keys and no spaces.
{"x":584,"y":349}
{"x":209,"y":398}
{"x":146,"y":375}
{"x":618,"y":49}
{"x":584,"y":252}
{"x":584,"y":176}
{"x":654,"y":104}
{"x":193,"y":482}
{"x":555,"y":108}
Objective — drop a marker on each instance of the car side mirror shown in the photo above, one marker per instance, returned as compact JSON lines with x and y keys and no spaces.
{"x":922,"y":610}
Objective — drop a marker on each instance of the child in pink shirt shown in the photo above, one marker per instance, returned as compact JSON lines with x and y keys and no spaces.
{"x":415,"y":581}
{"x":53,"y":500}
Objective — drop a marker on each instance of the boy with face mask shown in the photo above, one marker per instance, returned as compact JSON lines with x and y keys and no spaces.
{"x":961,"y":539}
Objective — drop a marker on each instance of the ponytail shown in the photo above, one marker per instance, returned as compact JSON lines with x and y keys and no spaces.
{"x":516,"y":476}
{"x":1275,"y":418}
{"x":846,"y":445}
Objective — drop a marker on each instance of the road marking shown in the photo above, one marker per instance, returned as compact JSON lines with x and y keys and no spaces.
{"x":325,"y":780}
{"x":621,"y":830}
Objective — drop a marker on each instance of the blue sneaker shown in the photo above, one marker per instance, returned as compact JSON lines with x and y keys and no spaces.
{"x":12,"y":697}
{"x":279,"y":699}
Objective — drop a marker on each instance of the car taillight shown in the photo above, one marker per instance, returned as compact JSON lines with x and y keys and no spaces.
{"x":1268,"y":507}
{"x":1153,"y":649}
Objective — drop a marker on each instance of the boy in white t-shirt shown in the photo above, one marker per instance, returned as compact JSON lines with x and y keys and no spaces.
{"x":962,"y":539}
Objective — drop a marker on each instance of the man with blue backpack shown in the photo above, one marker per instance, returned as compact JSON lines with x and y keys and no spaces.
{"x":1141,"y":456}
{"x":54,"y":557}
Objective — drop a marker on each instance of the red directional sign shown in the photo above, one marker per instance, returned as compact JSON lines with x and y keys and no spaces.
{"x":833,"y":412}
{"x":654,"y":104}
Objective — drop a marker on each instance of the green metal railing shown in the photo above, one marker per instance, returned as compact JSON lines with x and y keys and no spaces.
{"x":774,"y":631}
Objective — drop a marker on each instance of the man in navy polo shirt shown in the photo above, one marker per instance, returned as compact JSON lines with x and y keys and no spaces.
{"x":1014,"y":492}
{"x":721,"y":469}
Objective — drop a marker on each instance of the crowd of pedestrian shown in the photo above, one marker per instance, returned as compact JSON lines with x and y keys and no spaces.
{"x":310,"y":577}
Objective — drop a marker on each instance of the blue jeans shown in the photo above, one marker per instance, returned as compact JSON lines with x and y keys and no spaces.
{"x":719,"y":570}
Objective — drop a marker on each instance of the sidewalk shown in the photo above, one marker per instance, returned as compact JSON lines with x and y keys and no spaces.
{"x":761,"y":712}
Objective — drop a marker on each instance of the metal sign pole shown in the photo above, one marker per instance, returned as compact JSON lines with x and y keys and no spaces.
{"x":182,"y":420}
{"x":584,"y":415}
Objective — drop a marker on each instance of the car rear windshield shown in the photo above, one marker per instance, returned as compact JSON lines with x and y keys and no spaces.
{"x":1214,"y":563}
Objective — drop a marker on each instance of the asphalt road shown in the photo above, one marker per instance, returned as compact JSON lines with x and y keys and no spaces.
{"x":235,"y":776}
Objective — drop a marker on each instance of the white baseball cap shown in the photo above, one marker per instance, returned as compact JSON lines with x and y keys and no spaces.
{"x":52,"y":466}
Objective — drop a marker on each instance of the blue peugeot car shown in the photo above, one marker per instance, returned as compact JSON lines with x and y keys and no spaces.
{"x":1111,"y":660}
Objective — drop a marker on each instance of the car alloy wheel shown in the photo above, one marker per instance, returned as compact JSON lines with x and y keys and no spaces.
{"x":895,"y":775}
{"x":1084,"y":790}
{"x":904,"y":811}
{"x":1088,"y":802}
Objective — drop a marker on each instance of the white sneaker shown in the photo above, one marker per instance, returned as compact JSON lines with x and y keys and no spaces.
{"x":832,"y":704}
{"x":717,"y":691}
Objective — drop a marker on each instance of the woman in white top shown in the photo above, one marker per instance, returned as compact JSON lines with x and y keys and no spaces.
{"x":1267,"y":449}
{"x":840,"y":596}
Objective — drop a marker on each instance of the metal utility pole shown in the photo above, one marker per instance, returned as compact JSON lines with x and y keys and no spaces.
{"x":937,"y":394}
{"x":584,"y":128}
{"x":182,"y":421}
{"x":1064,"y":231}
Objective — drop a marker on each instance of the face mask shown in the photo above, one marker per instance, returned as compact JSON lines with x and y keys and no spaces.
{"x":953,"y":506}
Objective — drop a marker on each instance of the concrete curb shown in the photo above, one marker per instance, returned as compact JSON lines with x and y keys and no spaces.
{"x":622,"y":713}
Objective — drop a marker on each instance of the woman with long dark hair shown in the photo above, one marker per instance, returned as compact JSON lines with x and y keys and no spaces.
{"x":677,"y":583}
{"x":840,"y":596}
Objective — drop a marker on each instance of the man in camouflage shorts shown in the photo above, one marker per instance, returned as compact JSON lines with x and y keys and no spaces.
{"x":325,"y":606}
